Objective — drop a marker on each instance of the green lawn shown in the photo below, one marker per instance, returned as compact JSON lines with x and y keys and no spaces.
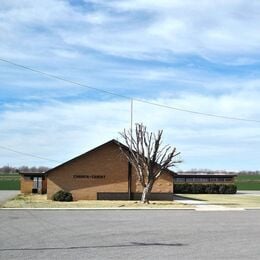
{"x":9,"y":181}
{"x":248,"y":182}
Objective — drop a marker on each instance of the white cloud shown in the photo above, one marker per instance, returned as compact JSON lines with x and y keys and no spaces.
{"x":62,"y":130}
{"x":225,"y":28}
{"x":226,"y":31}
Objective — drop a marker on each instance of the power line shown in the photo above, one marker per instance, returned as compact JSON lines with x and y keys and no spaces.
{"x":27,"y":154}
{"x":198,"y":113}
{"x":129,"y":97}
{"x":63,"y":79}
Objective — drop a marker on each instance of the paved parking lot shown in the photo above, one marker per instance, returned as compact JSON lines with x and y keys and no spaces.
{"x":129,"y":234}
{"x":249,"y":192}
{"x":7,"y":194}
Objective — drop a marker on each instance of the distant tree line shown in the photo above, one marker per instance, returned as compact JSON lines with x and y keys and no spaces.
{"x":248,"y":172}
{"x":207,"y":171}
{"x":10,"y":169}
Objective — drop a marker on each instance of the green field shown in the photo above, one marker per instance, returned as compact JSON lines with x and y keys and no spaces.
{"x":248,"y":182}
{"x":9,"y":181}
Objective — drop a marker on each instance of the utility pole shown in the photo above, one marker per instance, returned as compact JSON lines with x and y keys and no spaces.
{"x":129,"y":164}
{"x":132,"y":114}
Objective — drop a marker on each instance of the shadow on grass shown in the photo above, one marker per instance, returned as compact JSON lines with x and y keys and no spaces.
{"x":183,"y":197}
{"x":132,"y":244}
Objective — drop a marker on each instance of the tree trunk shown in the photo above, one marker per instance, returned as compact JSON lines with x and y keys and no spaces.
{"x":146,"y":192}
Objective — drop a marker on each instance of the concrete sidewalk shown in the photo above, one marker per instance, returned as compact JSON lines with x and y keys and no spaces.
{"x":248,"y":192}
{"x":201,"y":205}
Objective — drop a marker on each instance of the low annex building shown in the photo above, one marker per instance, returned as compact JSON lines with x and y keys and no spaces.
{"x":33,"y":182}
{"x":204,"y":177}
{"x":104,"y":173}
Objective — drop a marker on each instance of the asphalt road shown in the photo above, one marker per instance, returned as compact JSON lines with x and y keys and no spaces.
{"x":129,"y":234}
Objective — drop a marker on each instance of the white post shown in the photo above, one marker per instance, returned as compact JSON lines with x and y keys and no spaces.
{"x":132,"y":115}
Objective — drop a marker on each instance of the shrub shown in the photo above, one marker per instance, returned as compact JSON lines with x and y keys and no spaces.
{"x":208,"y":189}
{"x":231,"y":189}
{"x":186,"y":188}
{"x":62,"y":196}
{"x":196,"y":188}
{"x":182,"y":188}
{"x":222,"y":189}
{"x":215,"y":188}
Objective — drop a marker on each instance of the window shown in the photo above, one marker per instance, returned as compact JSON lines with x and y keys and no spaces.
{"x":180,"y":179}
{"x":228,"y":179}
{"x":202,"y":179}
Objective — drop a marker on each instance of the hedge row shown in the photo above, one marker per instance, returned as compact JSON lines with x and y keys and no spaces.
{"x":205,"y":188}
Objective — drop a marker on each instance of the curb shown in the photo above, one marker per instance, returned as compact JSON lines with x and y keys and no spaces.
{"x":97,"y":209}
{"x":169,"y":209}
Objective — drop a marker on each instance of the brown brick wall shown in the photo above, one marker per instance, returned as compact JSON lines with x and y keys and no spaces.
{"x":26,"y":185}
{"x":104,"y":161}
{"x":163,"y":185}
{"x":44,"y":186}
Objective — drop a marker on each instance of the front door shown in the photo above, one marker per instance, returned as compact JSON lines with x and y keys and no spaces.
{"x":37,"y":185}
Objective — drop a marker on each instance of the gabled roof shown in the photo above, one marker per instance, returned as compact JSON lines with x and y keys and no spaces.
{"x":113,"y":141}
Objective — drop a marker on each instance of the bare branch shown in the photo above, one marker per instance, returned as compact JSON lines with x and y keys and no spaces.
{"x":147,"y":155}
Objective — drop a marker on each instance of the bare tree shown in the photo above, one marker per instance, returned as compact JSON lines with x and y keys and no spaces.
{"x":148,"y":156}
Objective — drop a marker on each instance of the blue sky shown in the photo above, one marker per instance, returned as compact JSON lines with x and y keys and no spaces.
{"x":196,"y":55}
